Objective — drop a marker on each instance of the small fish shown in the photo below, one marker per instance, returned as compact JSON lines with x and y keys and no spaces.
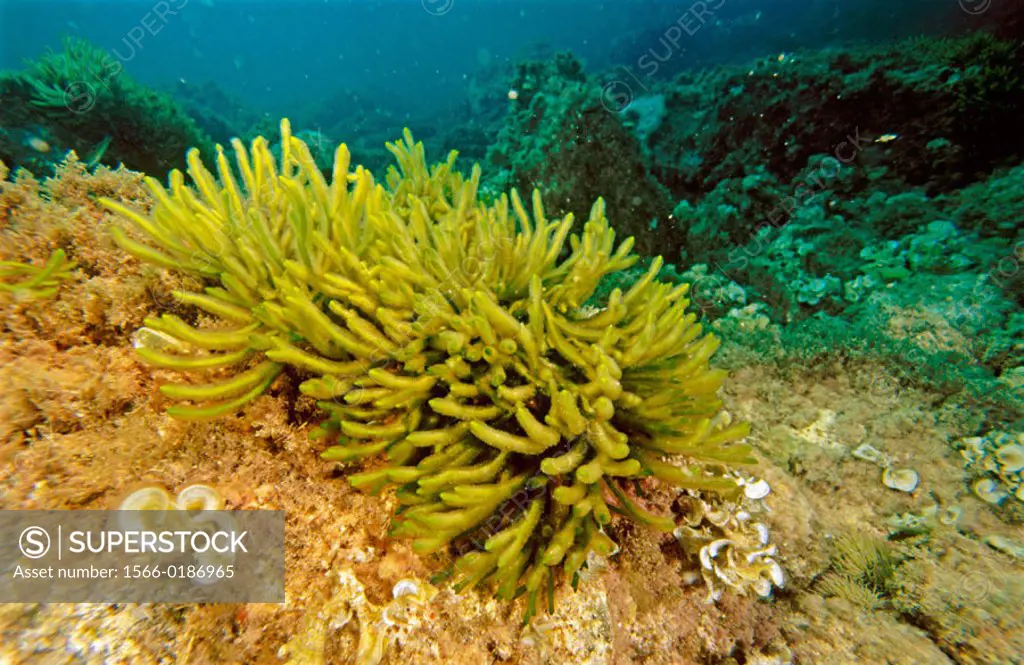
{"x":37,"y":144}
{"x":885,"y":138}
{"x":97,"y":153}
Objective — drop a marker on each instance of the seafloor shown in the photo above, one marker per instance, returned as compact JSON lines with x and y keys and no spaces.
{"x":82,"y":424}
{"x":851,"y":222}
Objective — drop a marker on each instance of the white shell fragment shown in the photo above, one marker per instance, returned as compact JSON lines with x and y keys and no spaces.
{"x":997,"y":463}
{"x":1005,"y":545}
{"x":950,"y":515}
{"x":734,"y":553}
{"x":757,"y":489}
{"x":147,"y":498}
{"x":868,"y":453}
{"x":988,"y":491}
{"x":154,"y":340}
{"x":154,"y":500}
{"x":405,"y":587}
{"x":1011,"y":457}
{"x":762,"y":587}
{"x":715,"y":547}
{"x":199,"y":497}
{"x":718,"y":517}
{"x":904,"y":480}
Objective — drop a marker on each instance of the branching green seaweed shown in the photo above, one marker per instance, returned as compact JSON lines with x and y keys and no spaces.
{"x":35,"y":281}
{"x":80,"y":62}
{"x":451,"y":337}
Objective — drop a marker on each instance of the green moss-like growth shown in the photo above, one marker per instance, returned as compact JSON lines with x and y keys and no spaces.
{"x":563,"y":131}
{"x":83,"y":100}
{"x":955,"y":98}
{"x":863,"y":571}
{"x":448,"y":337}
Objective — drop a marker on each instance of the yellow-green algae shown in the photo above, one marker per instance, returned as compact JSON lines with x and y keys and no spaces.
{"x":33,"y":281}
{"x":449,"y":336}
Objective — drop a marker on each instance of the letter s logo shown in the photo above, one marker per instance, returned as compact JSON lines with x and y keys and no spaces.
{"x":34,"y":542}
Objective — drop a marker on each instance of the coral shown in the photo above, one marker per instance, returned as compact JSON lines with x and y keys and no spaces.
{"x":838,"y":249}
{"x":450,"y":336}
{"x":799,"y":268}
{"x":713,"y":292}
{"x":938,"y":248}
{"x":891,"y":216}
{"x":813,"y":291}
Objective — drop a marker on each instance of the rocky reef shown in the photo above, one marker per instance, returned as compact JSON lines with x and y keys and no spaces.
{"x":858,"y":257}
{"x":81,"y":99}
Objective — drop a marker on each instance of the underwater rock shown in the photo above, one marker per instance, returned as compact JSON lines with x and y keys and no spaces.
{"x":83,"y":98}
{"x":1014,"y":548}
{"x":563,"y":131}
{"x":945,"y":87}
